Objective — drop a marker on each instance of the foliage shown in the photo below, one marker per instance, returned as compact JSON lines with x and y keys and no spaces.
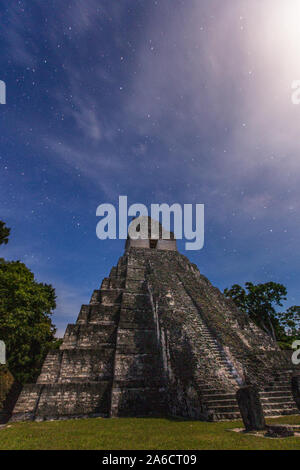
{"x":291,"y":320}
{"x":4,"y":233}
{"x":6,"y":381}
{"x":25,"y":319}
{"x":259,"y":302}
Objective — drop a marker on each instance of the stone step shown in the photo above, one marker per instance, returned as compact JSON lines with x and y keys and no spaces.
{"x":275,"y":394}
{"x":224,"y":408}
{"x":274,"y":413}
{"x":224,"y":361}
{"x":278,"y":405}
{"x":214,"y":352}
{"x":276,"y":389}
{"x":88,"y":364}
{"x":278,"y":384}
{"x":228,"y":416}
{"x":282,"y":379}
{"x":135,"y":301}
{"x":89,"y":336}
{"x":156,"y":382}
{"x":95,"y":298}
{"x":211,"y":390}
{"x":52,"y":401}
{"x":218,"y":396}
{"x":112,"y":283}
{"x":97,"y":314}
{"x":217,"y":403}
{"x":284,"y":399}
{"x":110,"y":296}
{"x":137,"y":286}
{"x":283,"y":373}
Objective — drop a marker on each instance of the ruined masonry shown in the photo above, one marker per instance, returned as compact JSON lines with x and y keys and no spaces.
{"x":157,"y":339}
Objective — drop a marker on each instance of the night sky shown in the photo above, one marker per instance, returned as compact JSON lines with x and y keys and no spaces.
{"x":163,"y":101}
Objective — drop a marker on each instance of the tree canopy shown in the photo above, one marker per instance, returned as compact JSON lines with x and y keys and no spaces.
{"x":4,"y":233}
{"x":260,"y":301}
{"x":26,"y":307}
{"x":25,"y":319}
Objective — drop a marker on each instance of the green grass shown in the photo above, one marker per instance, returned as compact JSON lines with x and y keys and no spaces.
{"x":138,"y":433}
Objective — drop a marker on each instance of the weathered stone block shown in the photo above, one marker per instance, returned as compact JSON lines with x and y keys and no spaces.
{"x":84,"y":314}
{"x":136,"y":366}
{"x":51,"y":368}
{"x":135,"y":285}
{"x":88,"y":365}
{"x":277,"y":430}
{"x":134,"y":300}
{"x":136,"y":341}
{"x":134,"y":273}
{"x":95,"y":297}
{"x":88,"y":336}
{"x":139,"y":318}
{"x":74,"y":400}
{"x":138,"y":402}
{"x":296,"y":389}
{"x":110,"y":296}
{"x":250,"y":408}
{"x":104,"y":313}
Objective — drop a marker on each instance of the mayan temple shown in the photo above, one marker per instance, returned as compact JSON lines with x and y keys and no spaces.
{"x":157,"y":339}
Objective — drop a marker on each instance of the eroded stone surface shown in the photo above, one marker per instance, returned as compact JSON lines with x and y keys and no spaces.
{"x":277,"y":430}
{"x":296,"y":389}
{"x":158,"y":339}
{"x":251,"y":409}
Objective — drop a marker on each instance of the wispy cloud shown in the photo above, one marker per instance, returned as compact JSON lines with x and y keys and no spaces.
{"x":165,"y":102}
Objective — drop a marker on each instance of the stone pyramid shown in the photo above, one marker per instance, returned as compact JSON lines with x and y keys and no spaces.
{"x":157,"y":339}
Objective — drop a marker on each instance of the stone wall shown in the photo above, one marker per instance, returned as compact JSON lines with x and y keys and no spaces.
{"x":156,"y":339}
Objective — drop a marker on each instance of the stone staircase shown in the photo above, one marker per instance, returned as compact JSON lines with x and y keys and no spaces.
{"x":218,"y":354}
{"x":277,"y":398}
{"x":220,"y":404}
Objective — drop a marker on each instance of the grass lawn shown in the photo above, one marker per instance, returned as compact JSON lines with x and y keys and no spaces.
{"x":138,"y":433}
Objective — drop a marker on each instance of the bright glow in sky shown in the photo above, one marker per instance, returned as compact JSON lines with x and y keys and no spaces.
{"x":169,"y":101}
{"x":279,"y":34}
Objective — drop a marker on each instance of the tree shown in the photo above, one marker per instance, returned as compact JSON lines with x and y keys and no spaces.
{"x":291,"y":321}
{"x":259,"y":302}
{"x":26,"y":307}
{"x":4,"y":233}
